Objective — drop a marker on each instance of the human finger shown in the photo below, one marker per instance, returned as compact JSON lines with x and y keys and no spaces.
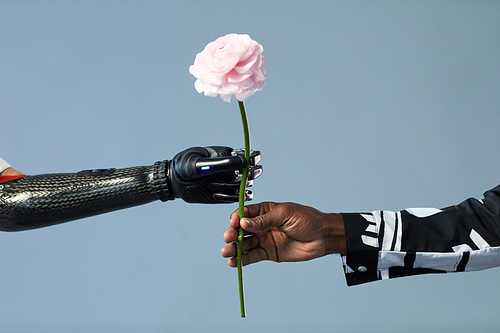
{"x":249,"y":243}
{"x":271,"y":215}
{"x":230,"y":235}
{"x":251,"y":211}
{"x":234,"y":220}
{"x":251,"y":257}
{"x":229,"y":250}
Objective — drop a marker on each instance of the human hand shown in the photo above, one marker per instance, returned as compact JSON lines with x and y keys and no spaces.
{"x":284,"y":232}
{"x":211,"y":174}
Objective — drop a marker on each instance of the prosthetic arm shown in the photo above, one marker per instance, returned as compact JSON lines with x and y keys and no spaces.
{"x":196,"y":175}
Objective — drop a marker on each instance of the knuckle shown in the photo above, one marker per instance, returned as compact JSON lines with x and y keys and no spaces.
{"x":282,"y":208}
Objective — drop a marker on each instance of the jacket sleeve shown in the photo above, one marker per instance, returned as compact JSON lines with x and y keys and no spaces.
{"x":386,"y":244}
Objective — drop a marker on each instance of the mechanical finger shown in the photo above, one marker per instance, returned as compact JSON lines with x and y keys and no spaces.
{"x":209,"y":166}
{"x":228,"y":198}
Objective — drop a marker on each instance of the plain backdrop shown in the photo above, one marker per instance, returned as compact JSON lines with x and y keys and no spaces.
{"x":368,"y":105}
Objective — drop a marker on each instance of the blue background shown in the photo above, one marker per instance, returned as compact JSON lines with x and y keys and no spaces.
{"x":368,"y":105}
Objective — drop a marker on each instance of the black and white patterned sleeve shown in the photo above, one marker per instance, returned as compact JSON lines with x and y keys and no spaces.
{"x":386,"y":244}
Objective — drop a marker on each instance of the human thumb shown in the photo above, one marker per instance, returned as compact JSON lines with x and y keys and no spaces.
{"x":260,"y":223}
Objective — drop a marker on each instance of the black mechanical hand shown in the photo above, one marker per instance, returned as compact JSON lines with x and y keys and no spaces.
{"x":196,"y":175}
{"x":211,"y":174}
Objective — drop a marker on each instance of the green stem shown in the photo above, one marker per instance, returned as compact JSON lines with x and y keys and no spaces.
{"x":239,"y":242}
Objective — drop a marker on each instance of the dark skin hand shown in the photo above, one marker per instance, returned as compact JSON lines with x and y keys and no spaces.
{"x":284,"y":232}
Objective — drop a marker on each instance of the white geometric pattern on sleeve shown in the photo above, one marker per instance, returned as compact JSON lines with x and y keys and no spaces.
{"x":458,"y":238}
{"x":390,"y":223}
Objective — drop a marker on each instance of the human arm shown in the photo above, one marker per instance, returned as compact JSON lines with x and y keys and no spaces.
{"x":42,"y":200}
{"x":380,"y":244}
{"x":10,"y":172}
{"x":6,"y":170}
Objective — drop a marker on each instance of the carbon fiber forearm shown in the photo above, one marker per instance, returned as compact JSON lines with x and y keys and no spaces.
{"x":38,"y":201}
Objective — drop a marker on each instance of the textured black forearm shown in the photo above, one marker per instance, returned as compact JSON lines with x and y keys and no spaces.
{"x":38,"y":201}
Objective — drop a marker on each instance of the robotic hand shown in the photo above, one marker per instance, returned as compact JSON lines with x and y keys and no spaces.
{"x":196,"y":175}
{"x":211,"y":174}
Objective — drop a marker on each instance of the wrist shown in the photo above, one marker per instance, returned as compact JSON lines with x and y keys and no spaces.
{"x":335,"y":234}
{"x":161,"y":182}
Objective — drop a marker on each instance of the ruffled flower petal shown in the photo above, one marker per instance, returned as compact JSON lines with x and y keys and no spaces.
{"x":230,"y":65}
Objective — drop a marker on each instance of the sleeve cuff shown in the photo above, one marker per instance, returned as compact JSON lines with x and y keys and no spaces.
{"x":360,"y":262}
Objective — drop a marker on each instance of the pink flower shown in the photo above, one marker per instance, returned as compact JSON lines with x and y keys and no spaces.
{"x":230,"y":65}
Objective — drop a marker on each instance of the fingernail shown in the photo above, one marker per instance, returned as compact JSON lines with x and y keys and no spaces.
{"x":249,"y":223}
